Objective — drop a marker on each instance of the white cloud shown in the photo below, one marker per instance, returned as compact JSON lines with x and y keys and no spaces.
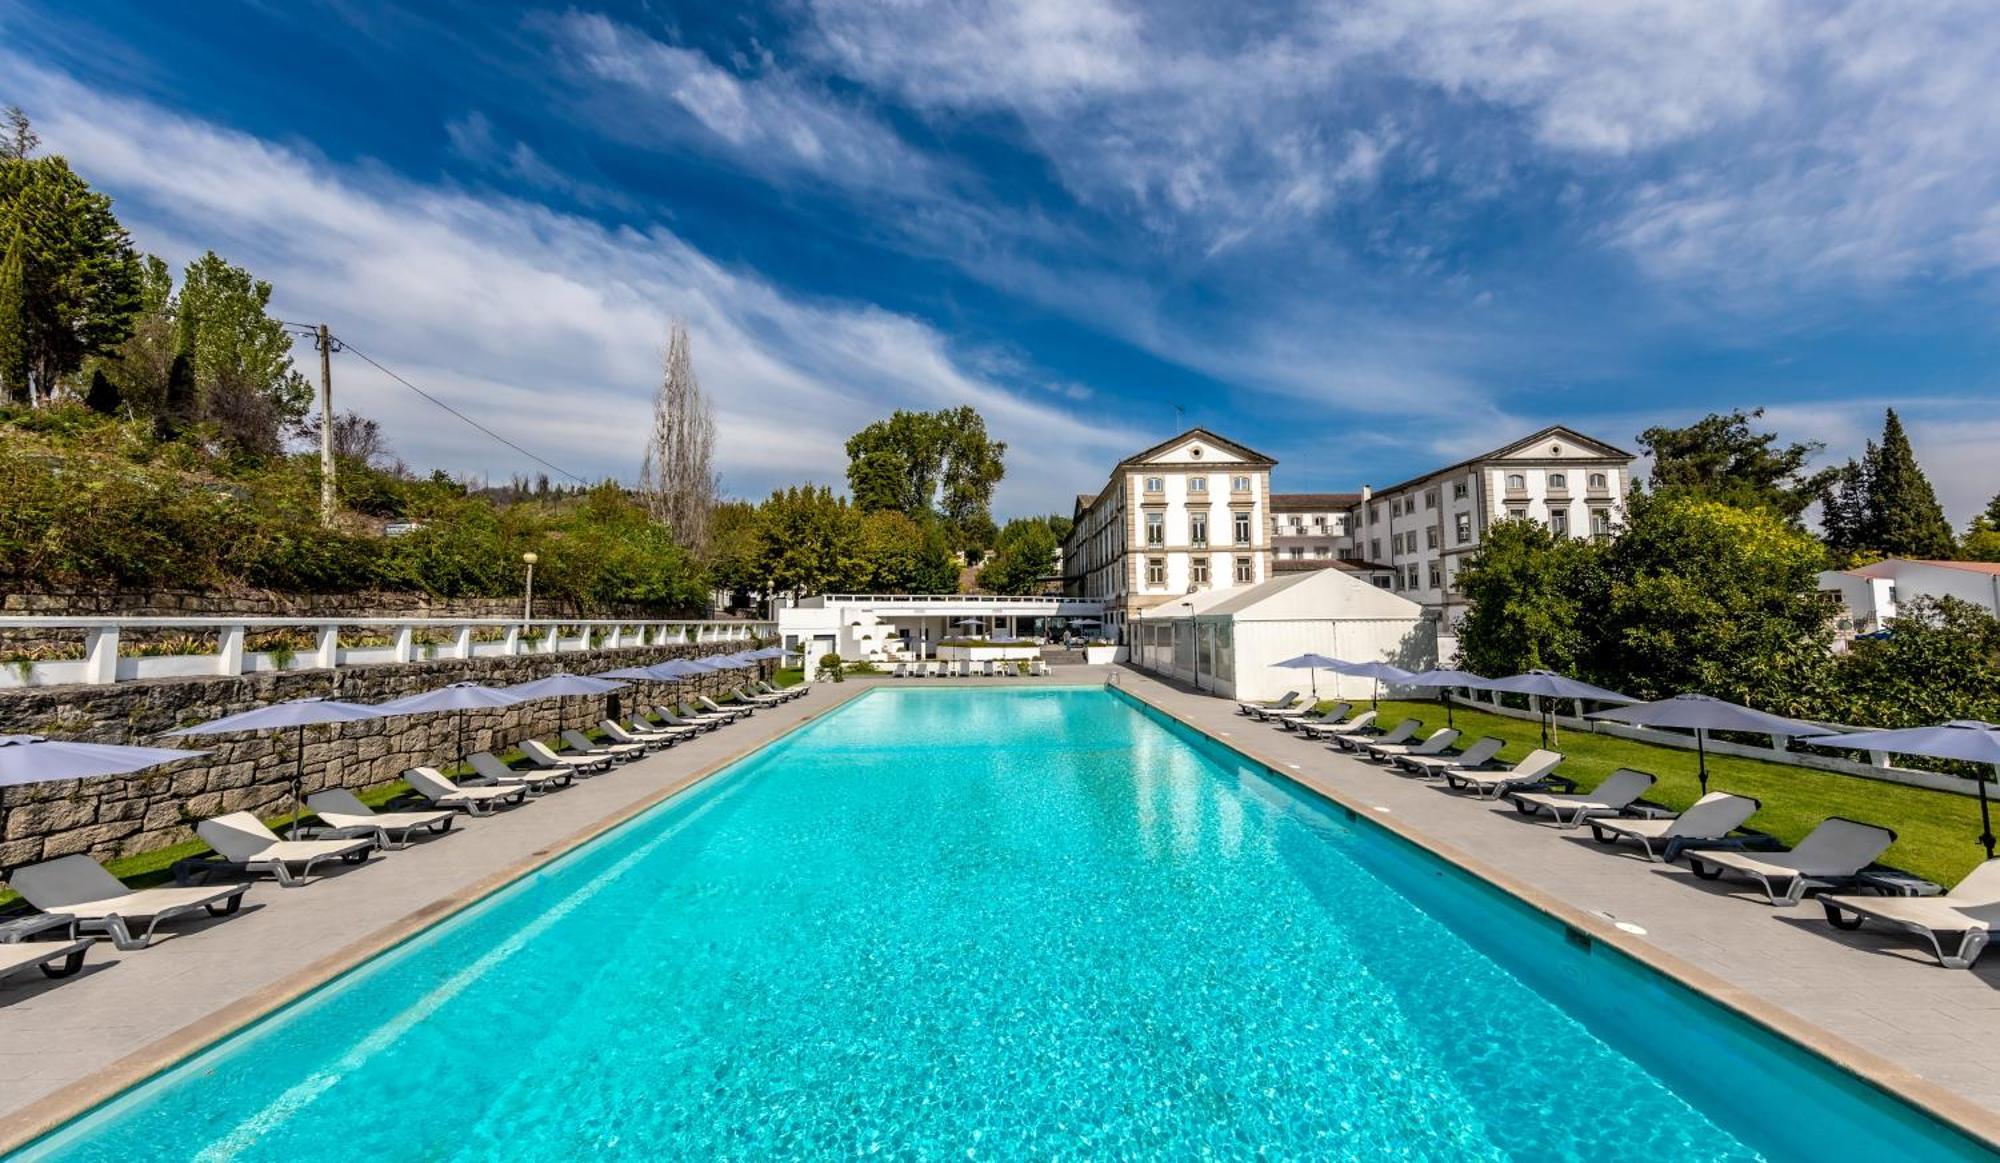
{"x":545,"y":326}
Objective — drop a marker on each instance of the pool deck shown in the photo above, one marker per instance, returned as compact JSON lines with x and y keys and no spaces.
{"x":1872,"y":1000}
{"x":1868,"y":1000}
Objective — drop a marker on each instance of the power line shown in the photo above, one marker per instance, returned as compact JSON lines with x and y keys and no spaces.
{"x":344,"y":345}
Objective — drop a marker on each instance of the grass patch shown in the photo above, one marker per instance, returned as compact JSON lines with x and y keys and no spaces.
{"x":1936,"y":832}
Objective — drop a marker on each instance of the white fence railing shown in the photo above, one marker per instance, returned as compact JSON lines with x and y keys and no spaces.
{"x":111,"y":646}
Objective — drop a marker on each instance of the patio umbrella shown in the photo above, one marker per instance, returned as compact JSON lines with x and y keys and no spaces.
{"x":459,"y":696}
{"x":634,"y":673}
{"x":563,"y":685}
{"x":1381,"y":672}
{"x":1702,"y":714}
{"x":1550,"y":685}
{"x":1312,"y":663}
{"x":1443,"y":681}
{"x":26,"y":759}
{"x":1967,"y":739}
{"x":297,"y":714}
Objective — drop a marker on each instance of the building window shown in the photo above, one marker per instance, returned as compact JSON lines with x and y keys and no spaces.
{"x":1430,"y":537}
{"x":1156,"y":528}
{"x":1559,"y":522}
{"x":1458,"y":491}
{"x":1242,"y":528}
{"x":1558,"y":480}
{"x":1198,"y":528}
{"x":1319,"y":522}
{"x":1430,"y":499}
{"x":1197,"y":484}
{"x":1239,"y":484}
{"x":1517,"y":482}
{"x":1156,"y":571}
{"x":1409,"y":577}
{"x":1245,"y":571}
{"x":1517,"y":513}
{"x":1374,"y":513}
{"x":1374,"y":549}
{"x":1198,"y":571}
{"x":1156,"y":484}
{"x":1437,"y":576}
{"x":1463,"y":532}
{"x":1298,"y":553}
{"x":1597,"y":480}
{"x":1322,"y":551}
{"x":1600,"y":522}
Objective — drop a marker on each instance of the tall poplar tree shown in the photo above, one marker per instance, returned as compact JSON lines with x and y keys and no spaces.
{"x":677,"y":478}
{"x":1904,"y":508}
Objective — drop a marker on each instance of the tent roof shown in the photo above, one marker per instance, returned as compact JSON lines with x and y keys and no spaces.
{"x":1304,"y":596}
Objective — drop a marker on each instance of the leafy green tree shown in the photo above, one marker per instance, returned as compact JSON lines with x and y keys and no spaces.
{"x":13,"y":318}
{"x":1529,"y":591}
{"x":240,"y":352}
{"x":1023,"y":555}
{"x":1709,"y":597}
{"x":1982,"y":538}
{"x":78,"y":284}
{"x":924,"y":464}
{"x":1939,"y":661}
{"x":102,"y":396}
{"x":1908,"y":518}
{"x":1722,"y":457}
{"x":811,"y":542}
{"x":1847,"y":515}
{"x":902,"y":556}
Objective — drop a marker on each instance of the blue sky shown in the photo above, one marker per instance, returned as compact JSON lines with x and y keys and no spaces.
{"x":1363,"y":237}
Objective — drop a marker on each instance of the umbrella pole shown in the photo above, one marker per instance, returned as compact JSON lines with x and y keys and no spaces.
{"x":1986,"y":816}
{"x":1314,"y":672}
{"x":1444,"y":696}
{"x":1701,"y":758}
{"x":299,"y":778}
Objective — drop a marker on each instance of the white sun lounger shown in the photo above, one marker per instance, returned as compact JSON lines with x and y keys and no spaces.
{"x":1832,"y":852}
{"x":1712,"y":817}
{"x":242,"y":838}
{"x":705,"y":707}
{"x":1258,"y":710}
{"x":100,"y":902}
{"x":1534,"y":767}
{"x":1439,"y":740}
{"x":1401,"y":732}
{"x":1478,"y":755}
{"x":1619,"y":791}
{"x":1961,"y":920}
{"x":582,"y":746}
{"x":1334,"y":713}
{"x":477,"y":800}
{"x":343,"y":811}
{"x":673,"y":718}
{"x":546,"y":775}
{"x":715,"y":708}
{"x":651,"y":738}
{"x":787,"y":693}
{"x":53,"y":958}
{"x":1353,"y":726}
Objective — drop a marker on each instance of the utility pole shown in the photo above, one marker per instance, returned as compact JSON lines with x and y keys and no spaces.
{"x":325,"y":343}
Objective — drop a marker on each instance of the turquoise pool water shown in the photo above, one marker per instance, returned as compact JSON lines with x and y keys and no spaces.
{"x":999,"y":924}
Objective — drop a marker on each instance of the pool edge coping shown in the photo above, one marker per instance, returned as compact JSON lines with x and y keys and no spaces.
{"x":76,"y":1099}
{"x":1969,"y":1118}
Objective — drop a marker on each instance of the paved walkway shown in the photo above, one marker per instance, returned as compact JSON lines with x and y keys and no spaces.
{"x":1872,"y":989}
{"x":64,"y":1042}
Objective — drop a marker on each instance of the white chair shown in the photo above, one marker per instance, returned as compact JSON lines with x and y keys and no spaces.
{"x":1835,"y":850}
{"x":242,"y":838}
{"x":100,"y":903}
{"x":476,"y":800}
{"x":342,"y":811}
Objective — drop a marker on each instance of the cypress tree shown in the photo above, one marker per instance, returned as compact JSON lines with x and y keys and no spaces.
{"x":1904,"y":509}
{"x":1846,"y":512}
{"x":103,"y":395}
{"x":179,"y":406}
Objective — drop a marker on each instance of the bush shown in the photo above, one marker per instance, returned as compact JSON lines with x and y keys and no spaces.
{"x":829,"y":667}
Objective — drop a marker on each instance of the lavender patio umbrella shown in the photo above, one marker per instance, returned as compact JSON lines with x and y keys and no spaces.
{"x":1966,"y":739}
{"x":297,"y":714}
{"x":1702,"y":714}
{"x":1550,"y":685}
{"x":1381,"y":672}
{"x":565,"y":686}
{"x":1310,"y":663}
{"x":459,"y":696}
{"x":1443,"y":682}
{"x":27,"y":759}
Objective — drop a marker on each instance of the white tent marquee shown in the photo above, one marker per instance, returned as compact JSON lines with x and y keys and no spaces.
{"x":1229,"y":641}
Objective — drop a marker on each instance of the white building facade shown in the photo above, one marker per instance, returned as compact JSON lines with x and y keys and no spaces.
{"x":1187,"y":515}
{"x":1870,"y":595}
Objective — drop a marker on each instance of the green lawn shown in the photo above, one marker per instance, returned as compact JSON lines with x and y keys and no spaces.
{"x":1937,"y":833}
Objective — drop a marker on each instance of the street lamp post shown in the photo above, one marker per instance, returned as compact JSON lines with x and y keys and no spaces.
{"x":528,"y":593}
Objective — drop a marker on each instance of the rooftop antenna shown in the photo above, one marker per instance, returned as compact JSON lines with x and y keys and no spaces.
{"x":1177,"y":418}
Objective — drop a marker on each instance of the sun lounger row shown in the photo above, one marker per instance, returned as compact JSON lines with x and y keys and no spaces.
{"x":1835,"y":854}
{"x":961,"y":669}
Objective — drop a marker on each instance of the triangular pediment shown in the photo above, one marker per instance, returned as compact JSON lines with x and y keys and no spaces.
{"x":1198,"y":446}
{"x":1557,"y":442}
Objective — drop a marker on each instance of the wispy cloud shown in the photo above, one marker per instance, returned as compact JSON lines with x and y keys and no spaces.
{"x":545,"y":325}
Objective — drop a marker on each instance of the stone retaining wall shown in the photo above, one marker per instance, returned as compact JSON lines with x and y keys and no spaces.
{"x":272,"y":604}
{"x":123,"y":815}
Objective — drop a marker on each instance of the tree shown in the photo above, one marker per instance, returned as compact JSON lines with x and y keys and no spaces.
{"x":1982,"y":538}
{"x":1722,"y":457}
{"x":1024,"y":554}
{"x":1708,"y":597}
{"x":677,"y":477}
{"x":139,"y":365}
{"x":1529,"y":590}
{"x":902,"y":556}
{"x":810,"y":542}
{"x":735,"y":551}
{"x":1846,"y":514}
{"x":180,"y":401}
{"x":242,"y":357}
{"x":1939,"y":661}
{"x":925,"y":464}
{"x":77,"y":284}
{"x":355,"y":437}
{"x":13,"y":319}
{"x":1908,"y":519}
{"x":102,"y":397}
{"x":19,"y":138}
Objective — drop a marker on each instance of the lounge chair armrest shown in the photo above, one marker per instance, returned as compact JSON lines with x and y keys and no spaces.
{"x":1562,"y":783}
{"x":21,"y":928}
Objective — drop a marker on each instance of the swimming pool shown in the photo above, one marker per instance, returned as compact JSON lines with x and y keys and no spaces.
{"x":1008,"y":923}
